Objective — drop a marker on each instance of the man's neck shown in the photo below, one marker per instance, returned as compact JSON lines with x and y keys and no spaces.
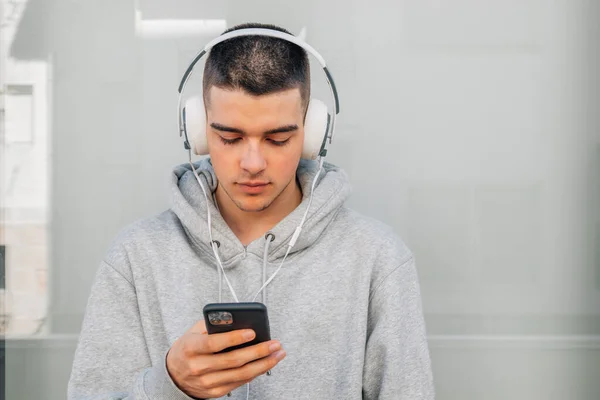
{"x":249,"y":226}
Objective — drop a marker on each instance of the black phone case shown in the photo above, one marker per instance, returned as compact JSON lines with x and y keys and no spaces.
{"x":245,"y":316}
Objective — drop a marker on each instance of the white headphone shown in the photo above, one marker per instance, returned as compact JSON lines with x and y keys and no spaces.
{"x":319,"y":123}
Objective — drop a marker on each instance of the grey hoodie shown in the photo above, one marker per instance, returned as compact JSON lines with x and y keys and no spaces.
{"x":346,"y":304}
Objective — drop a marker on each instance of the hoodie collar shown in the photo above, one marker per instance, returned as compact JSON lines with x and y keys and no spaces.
{"x":189,"y":204}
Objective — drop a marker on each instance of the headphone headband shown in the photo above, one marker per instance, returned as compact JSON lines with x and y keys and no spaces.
{"x":260,"y":32}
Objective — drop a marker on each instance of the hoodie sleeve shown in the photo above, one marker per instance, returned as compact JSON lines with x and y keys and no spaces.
{"x":111,"y":360}
{"x":397,"y":363}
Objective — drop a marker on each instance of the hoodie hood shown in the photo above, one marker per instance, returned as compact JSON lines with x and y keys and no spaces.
{"x":188,"y":203}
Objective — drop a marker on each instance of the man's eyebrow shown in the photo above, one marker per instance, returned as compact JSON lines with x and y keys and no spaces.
{"x":281,"y":129}
{"x":224,"y":128}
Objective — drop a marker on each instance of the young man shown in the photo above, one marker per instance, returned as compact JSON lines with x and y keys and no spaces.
{"x":345,"y":307}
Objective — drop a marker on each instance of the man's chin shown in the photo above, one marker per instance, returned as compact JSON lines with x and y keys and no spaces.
{"x":255,"y":204}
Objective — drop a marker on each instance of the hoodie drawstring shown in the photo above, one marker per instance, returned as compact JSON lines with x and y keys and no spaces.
{"x":220,"y":285}
{"x":269,"y":237}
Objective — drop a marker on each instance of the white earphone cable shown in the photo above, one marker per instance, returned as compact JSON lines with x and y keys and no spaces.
{"x":213,"y":244}
{"x":296,"y":232}
{"x":292,"y":242}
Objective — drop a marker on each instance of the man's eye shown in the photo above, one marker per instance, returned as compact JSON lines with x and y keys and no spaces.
{"x":228,"y":141}
{"x":279,"y":142}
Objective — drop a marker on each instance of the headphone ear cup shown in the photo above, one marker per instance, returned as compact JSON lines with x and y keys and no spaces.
{"x":315,"y":129}
{"x":195,"y":124}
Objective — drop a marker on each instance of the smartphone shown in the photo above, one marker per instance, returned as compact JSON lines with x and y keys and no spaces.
{"x":226,"y":317}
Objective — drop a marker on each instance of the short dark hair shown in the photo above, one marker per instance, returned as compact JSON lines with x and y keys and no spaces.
{"x":258,"y":65}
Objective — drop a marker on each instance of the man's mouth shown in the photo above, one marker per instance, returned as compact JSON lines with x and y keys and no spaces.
{"x":253,"y":184}
{"x":253,"y":187}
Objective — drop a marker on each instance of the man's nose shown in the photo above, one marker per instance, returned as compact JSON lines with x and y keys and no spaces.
{"x":253,"y":160}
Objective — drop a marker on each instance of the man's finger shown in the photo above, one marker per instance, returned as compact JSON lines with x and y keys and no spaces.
{"x":245,"y":373}
{"x":209,"y":344}
{"x":260,"y":367}
{"x":240,"y":357}
{"x":220,"y":341}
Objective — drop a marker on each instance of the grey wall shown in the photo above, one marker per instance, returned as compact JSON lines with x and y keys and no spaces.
{"x":471,"y":127}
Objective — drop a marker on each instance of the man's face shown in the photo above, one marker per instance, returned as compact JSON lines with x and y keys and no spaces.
{"x":255,"y":144}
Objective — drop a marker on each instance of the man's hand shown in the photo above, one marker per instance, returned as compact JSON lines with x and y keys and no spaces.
{"x":200,"y":373}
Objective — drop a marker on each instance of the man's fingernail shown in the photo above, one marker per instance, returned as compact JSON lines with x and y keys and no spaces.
{"x":249,"y":335}
{"x":274,"y":346}
{"x":280,"y":354}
